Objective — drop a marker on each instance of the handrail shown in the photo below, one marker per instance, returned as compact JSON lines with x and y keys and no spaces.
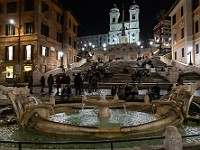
{"x":20,"y":143}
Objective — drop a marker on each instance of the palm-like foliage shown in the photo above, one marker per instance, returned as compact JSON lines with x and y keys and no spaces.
{"x":161,"y":15}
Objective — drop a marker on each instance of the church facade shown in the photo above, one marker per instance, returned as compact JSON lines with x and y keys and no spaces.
{"x":131,"y":29}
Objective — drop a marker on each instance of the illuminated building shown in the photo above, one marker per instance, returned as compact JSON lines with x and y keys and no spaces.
{"x":35,"y":34}
{"x":185,"y":32}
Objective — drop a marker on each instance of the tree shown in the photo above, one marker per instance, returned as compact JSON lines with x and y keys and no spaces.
{"x":160,"y":17}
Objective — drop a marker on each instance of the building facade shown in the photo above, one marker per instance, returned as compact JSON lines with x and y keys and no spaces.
{"x":162,"y":34}
{"x":92,"y":41}
{"x":35,"y":34}
{"x":185,"y":16}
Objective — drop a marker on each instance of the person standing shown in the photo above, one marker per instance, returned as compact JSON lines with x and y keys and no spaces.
{"x":113,"y":90}
{"x":94,"y":83}
{"x":50,"y":83}
{"x":58,"y":84}
{"x":77,"y":83}
{"x":127,"y":91}
{"x":156,"y":90}
{"x":30,"y":84}
{"x":42,"y":83}
{"x":134,"y":90}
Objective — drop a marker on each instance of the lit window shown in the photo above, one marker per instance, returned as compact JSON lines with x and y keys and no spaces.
{"x":60,"y":54}
{"x":9,"y":72}
{"x":10,"y":53}
{"x":44,"y":51}
{"x":28,"y":52}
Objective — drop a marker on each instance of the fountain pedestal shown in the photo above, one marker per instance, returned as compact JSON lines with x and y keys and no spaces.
{"x":103,"y":112}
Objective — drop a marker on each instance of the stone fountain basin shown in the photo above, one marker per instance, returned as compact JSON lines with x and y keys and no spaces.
{"x":42,"y":124}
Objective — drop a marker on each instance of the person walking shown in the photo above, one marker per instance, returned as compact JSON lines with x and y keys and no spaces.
{"x":30,"y":84}
{"x":42,"y":83}
{"x":50,"y":83}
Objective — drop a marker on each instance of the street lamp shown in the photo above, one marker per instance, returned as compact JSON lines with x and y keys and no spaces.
{"x":190,"y":53}
{"x":151,"y":45}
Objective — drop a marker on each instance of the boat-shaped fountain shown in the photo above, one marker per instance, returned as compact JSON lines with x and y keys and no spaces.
{"x":171,"y":109}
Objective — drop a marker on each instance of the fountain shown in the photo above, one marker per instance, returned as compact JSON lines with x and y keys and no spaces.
{"x":103,"y":105}
{"x":170,"y":109}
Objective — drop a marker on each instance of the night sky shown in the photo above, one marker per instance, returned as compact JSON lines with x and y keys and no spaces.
{"x":93,"y":15}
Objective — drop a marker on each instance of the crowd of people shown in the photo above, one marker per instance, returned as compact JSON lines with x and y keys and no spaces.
{"x":93,"y":76}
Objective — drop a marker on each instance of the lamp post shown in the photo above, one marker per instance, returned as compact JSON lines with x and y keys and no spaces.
{"x":17,"y":67}
{"x":104,"y":48}
{"x":151,"y":45}
{"x":190,"y":53}
{"x":19,"y":36}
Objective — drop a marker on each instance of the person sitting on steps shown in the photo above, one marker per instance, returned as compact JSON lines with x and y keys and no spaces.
{"x":66,"y":92}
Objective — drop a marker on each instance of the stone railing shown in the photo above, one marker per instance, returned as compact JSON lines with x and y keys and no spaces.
{"x":166,"y":59}
{"x":77,"y":64}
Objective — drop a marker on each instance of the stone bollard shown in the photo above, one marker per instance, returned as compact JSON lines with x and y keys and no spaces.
{"x":146,"y":99}
{"x":52,"y":100}
{"x":173,"y":140}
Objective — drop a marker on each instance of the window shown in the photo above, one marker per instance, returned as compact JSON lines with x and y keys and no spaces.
{"x":28,"y":52}
{"x":29,"y":28}
{"x":182,"y":11}
{"x":10,"y":29}
{"x":133,"y":35}
{"x":60,"y":55}
{"x":113,"y":20}
{"x":45,"y":7}
{"x":11,"y":7}
{"x":174,"y":40}
{"x":182,"y":33}
{"x":197,"y":48}
{"x":9,"y":72}
{"x":70,"y":40}
{"x":44,"y":30}
{"x":28,"y":5}
{"x":9,"y":55}
{"x":59,"y":37}
{"x":1,"y":8}
{"x":44,"y":51}
{"x":133,"y":16}
{"x":183,"y":52}
{"x":195,"y":4}
{"x":196,"y":26}
{"x":59,"y":18}
{"x":175,"y":55}
{"x":174,"y":19}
